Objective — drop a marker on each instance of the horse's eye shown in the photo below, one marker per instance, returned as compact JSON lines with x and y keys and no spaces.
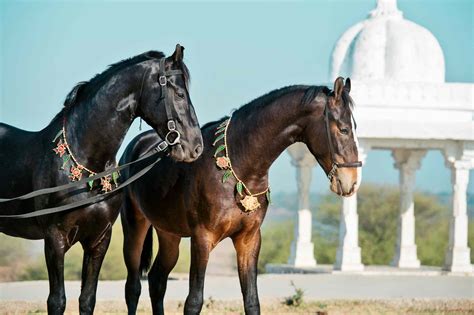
{"x":344,"y":131}
{"x":180,"y":95}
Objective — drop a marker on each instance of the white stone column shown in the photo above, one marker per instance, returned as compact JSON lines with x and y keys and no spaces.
{"x":302,"y":249}
{"x":407,"y":161}
{"x":457,"y":257}
{"x":348,"y":257}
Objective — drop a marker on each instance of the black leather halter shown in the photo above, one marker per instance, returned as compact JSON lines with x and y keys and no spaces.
{"x":336,"y":165}
{"x":164,"y":82}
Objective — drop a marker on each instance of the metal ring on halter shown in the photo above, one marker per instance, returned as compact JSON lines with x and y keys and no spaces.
{"x":172,"y":130}
{"x":163,"y":80}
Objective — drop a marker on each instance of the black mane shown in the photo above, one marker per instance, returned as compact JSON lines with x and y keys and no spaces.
{"x":82,"y":87}
{"x":310,"y":93}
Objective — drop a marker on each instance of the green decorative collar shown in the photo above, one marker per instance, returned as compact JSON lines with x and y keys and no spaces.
{"x":76,"y":169}
{"x":249,"y":201}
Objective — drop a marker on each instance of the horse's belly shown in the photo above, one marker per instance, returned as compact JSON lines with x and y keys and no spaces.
{"x":170,"y":220}
{"x":24,"y":228}
{"x":89,"y":223}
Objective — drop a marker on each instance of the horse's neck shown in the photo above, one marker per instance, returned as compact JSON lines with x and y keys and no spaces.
{"x":96,"y":128}
{"x":258,"y":139}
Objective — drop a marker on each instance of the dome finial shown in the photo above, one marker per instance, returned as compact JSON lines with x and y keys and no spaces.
{"x":386,"y":8}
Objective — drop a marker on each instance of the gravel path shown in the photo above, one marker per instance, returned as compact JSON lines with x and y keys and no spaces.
{"x":316,"y":286}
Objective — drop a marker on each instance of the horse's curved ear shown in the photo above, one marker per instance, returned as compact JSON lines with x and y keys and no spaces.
{"x":72,"y":96}
{"x":178,"y":53}
{"x":338,"y":87}
{"x":347,"y":85}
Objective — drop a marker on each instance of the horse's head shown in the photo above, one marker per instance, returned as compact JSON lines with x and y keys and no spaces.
{"x":330,"y":136}
{"x":165,"y":105}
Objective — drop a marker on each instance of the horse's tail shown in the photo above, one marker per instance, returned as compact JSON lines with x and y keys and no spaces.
{"x":147,"y":252}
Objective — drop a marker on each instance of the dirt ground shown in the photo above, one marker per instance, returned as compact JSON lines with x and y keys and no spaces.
{"x":273,"y":307}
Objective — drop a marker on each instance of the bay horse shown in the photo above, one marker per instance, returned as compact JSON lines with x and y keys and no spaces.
{"x":95,"y":117}
{"x":224,"y":193}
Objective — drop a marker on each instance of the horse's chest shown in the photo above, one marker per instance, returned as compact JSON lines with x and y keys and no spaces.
{"x":232,"y":220}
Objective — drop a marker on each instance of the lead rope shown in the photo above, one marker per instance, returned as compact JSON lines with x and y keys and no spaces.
{"x":91,"y":200}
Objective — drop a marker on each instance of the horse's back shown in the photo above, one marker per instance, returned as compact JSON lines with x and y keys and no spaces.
{"x":15,"y":160}
{"x":12,"y":137}
{"x":139,"y":146}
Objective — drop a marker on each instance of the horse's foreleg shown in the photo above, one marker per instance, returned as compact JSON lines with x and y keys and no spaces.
{"x":201,"y":246}
{"x":55,"y":246}
{"x":248,"y":247}
{"x":134,"y":234}
{"x":166,"y":259}
{"x":93,"y":257}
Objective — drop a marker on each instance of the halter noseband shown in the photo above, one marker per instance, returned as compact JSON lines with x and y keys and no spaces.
{"x":171,"y":124}
{"x":336,"y":165}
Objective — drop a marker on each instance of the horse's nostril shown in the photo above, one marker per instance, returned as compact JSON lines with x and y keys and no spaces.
{"x":197,"y":151}
{"x":353,"y":187}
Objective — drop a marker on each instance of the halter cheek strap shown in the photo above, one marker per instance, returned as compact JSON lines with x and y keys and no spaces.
{"x":173,"y":136}
{"x":336,"y":165}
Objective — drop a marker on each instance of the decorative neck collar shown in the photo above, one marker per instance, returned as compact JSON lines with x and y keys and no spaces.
{"x":76,"y":169}
{"x":248,"y":200}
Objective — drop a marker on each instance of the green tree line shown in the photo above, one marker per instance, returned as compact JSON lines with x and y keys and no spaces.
{"x":378,"y":209}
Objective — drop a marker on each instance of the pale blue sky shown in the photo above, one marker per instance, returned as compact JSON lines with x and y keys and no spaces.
{"x":235,"y":51}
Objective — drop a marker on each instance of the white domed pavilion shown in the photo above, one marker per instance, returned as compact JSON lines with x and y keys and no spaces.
{"x":388,"y":47}
{"x":397,"y":70}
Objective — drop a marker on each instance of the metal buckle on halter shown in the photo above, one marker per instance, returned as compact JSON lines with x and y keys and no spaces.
{"x":171,"y":125}
{"x":172,"y":130}
{"x":332,"y":172}
{"x":162,"y":80}
{"x":163,"y":145}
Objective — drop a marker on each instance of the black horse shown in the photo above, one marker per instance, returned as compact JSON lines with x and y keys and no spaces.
{"x":225,"y":192}
{"x":92,"y":125}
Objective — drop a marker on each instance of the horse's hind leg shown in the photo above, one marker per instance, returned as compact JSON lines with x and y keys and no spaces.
{"x":135,"y":227}
{"x":55,"y":246}
{"x":94,"y":254}
{"x":164,"y":262}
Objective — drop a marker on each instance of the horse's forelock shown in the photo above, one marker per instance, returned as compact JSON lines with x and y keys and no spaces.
{"x":186,"y":74}
{"x":347,"y":100}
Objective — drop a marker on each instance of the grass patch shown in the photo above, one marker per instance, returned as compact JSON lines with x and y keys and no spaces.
{"x":271,"y":307}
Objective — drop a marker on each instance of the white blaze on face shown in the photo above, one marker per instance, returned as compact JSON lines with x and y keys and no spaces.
{"x":359,"y":169}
